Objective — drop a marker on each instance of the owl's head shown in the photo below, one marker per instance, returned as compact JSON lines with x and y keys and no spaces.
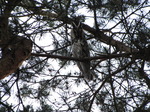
{"x":77,"y":30}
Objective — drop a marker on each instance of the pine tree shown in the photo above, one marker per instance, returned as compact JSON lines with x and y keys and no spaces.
{"x":38,"y":72}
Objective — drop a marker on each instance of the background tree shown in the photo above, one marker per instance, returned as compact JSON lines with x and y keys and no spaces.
{"x":118,"y":34}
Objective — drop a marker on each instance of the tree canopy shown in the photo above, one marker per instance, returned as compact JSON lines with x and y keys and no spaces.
{"x":39,"y":74}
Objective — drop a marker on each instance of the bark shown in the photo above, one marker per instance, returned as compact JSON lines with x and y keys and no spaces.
{"x":14,"y":49}
{"x":13,"y":55}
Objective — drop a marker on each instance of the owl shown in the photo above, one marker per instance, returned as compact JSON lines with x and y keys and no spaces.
{"x":80,"y":49}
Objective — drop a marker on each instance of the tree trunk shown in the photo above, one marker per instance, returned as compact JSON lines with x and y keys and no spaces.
{"x":14,"y":49}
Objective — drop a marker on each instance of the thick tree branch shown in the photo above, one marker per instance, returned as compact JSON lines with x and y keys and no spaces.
{"x":13,"y":56}
{"x":110,"y":56}
{"x":108,"y":40}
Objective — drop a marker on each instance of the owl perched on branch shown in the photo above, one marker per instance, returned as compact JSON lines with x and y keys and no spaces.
{"x":80,"y":49}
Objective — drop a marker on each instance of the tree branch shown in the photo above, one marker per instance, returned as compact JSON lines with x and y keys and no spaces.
{"x":110,"y":56}
{"x":98,"y":34}
{"x":13,"y":55}
{"x":107,"y":78}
